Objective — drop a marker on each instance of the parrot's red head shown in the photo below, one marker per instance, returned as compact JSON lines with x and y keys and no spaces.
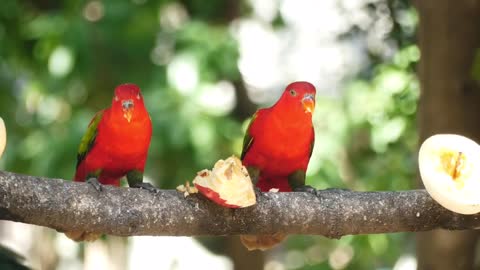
{"x":127,"y":98}
{"x":299,"y":95}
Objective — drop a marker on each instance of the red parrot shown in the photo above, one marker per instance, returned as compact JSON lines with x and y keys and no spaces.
{"x":277,"y":148}
{"x":115,"y":145}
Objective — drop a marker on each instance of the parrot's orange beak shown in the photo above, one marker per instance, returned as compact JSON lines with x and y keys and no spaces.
{"x":308,"y":102}
{"x":127,"y":106}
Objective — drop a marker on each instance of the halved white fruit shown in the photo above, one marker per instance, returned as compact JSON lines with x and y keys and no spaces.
{"x":228,"y":184}
{"x":3,"y":136}
{"x":450,"y":170}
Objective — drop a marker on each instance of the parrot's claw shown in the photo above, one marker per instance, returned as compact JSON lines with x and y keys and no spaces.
{"x":338,"y":189}
{"x":258,"y":192}
{"x":146,"y":186}
{"x":306,"y":188}
{"x":94,"y":182}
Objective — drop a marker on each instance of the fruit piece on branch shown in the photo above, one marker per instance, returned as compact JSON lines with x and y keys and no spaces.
{"x":450,"y":170}
{"x":227,"y":184}
{"x":187,"y":189}
{"x":262,"y":242}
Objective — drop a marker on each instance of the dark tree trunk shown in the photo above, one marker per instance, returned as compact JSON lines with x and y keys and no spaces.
{"x":449,"y":35}
{"x":244,"y":259}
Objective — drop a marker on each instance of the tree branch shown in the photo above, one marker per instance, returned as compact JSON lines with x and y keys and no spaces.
{"x":66,"y":206}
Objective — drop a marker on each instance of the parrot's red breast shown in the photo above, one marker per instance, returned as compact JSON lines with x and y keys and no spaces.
{"x":117,"y":138}
{"x":282,"y":137}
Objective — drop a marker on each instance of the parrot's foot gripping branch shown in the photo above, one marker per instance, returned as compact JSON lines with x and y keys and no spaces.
{"x":258,"y":191}
{"x":94,"y":182}
{"x":146,"y":186}
{"x":306,"y":188}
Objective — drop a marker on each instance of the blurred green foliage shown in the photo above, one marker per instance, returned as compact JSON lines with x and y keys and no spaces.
{"x":60,"y":61}
{"x":58,"y":68}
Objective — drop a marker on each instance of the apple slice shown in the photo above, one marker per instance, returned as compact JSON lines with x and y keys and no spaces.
{"x":262,"y":242}
{"x":450,"y":170}
{"x":3,"y":136}
{"x":228,"y":184}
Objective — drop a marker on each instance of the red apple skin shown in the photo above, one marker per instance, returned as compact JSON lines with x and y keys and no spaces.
{"x":214,"y":196}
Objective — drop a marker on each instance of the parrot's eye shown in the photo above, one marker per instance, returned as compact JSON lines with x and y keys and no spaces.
{"x":293,"y":92}
{"x":138,"y":96}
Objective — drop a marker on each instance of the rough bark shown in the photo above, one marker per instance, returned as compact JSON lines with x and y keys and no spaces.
{"x":64,"y":205}
{"x":449,"y":35}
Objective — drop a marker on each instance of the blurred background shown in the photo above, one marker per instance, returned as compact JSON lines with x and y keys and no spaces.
{"x":204,"y":68}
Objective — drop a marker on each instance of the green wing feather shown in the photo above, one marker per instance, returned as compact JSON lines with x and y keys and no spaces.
{"x":248,"y":139}
{"x":88,"y":139}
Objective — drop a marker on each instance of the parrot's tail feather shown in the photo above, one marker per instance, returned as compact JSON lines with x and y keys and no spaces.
{"x":79,"y":236}
{"x":262,"y":242}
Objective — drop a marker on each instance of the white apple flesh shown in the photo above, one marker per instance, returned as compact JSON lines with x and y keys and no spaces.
{"x":228,"y":184}
{"x":450,"y":170}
